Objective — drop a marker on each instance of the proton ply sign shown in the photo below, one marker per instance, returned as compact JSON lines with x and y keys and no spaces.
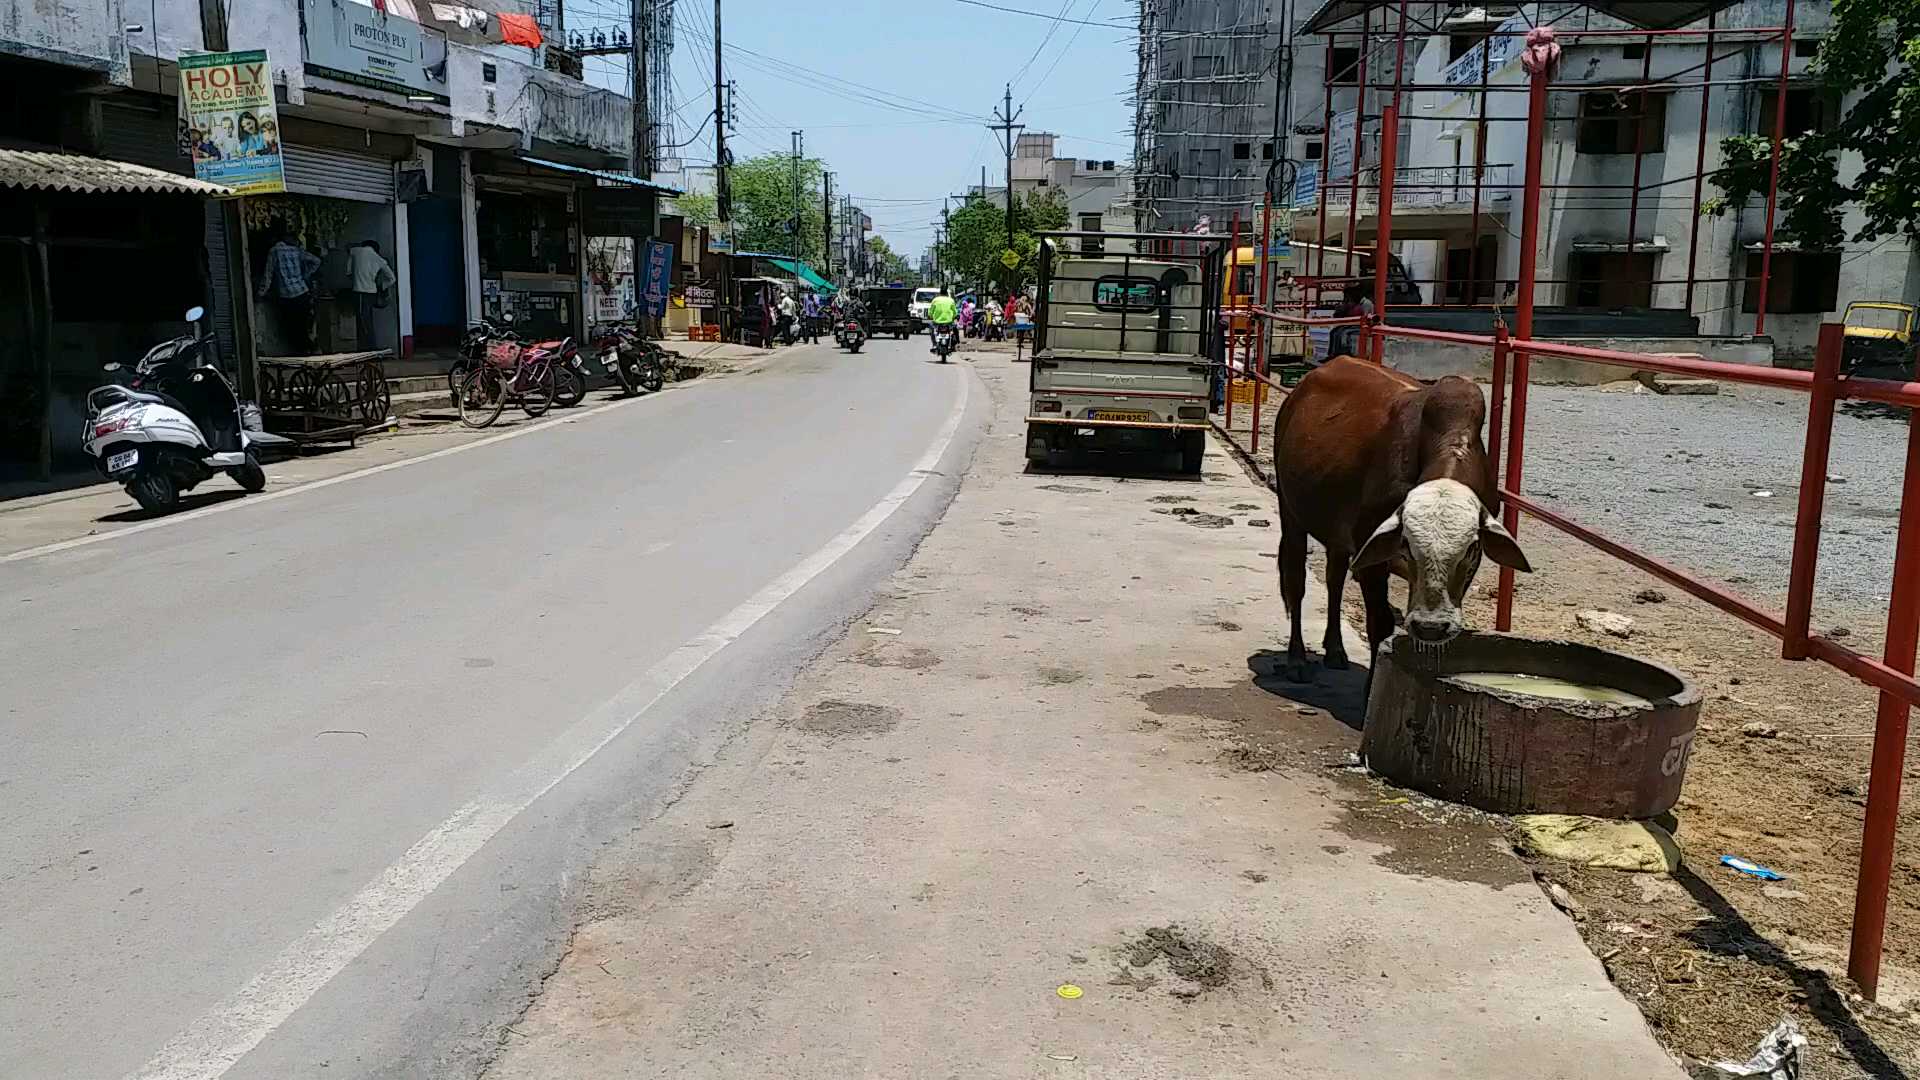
{"x":378,"y":49}
{"x":232,"y":130}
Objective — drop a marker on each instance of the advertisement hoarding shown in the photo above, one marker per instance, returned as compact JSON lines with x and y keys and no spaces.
{"x":232,"y":128}
{"x":361,"y":44}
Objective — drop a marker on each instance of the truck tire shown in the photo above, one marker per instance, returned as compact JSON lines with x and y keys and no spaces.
{"x":1039,"y":448}
{"x":1193,"y":451}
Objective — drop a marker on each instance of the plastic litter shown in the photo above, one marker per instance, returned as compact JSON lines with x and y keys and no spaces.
{"x":1782,"y":1055}
{"x":1069,"y":991}
{"x":1751,"y":869}
{"x":887,"y":630}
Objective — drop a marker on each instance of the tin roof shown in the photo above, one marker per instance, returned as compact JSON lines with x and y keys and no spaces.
{"x":32,"y":169}
{"x":1645,"y":14}
{"x":619,"y":178}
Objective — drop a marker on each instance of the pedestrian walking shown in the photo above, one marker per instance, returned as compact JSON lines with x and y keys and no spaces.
{"x":371,"y":279}
{"x":810,"y":312}
{"x":788,"y":309}
{"x":289,"y":278}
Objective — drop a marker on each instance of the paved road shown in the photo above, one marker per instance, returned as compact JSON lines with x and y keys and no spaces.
{"x":305,"y":786}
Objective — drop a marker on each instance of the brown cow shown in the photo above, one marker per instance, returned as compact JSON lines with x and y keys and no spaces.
{"x":1391,"y":476}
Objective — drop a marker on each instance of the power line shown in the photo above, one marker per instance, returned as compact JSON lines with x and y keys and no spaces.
{"x":1043,"y":15}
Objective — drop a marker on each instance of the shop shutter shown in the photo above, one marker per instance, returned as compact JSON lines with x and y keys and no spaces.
{"x":338,"y":174}
{"x":142,"y":134}
{"x":220,"y":283}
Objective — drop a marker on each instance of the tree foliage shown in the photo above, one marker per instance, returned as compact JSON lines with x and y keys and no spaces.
{"x":884,"y":263}
{"x":1871,"y":58}
{"x":697,"y":208}
{"x":977,"y":238}
{"x":763,"y":205}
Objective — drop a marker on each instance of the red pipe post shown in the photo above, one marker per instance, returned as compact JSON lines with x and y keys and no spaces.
{"x":1889,"y":738}
{"x":1813,"y":490}
{"x":1359,"y":145}
{"x":1494,"y":425}
{"x":1233,"y":261}
{"x":1773,"y":174}
{"x":1389,"y":165}
{"x":1523,"y":322}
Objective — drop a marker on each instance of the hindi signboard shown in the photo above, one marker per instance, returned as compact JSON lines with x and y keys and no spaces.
{"x":657,"y":277}
{"x":1490,"y":54}
{"x":1340,"y":144}
{"x":233,"y":130}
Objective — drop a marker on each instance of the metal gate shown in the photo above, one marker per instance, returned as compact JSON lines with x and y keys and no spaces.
{"x":338,"y":174}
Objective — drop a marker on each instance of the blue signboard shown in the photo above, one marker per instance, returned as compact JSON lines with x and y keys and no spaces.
{"x":1306,"y":187}
{"x":656,"y":276}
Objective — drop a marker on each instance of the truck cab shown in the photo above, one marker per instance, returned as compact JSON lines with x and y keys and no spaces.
{"x":1124,"y":349}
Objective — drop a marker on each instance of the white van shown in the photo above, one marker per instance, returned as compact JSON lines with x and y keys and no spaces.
{"x":922,"y":299}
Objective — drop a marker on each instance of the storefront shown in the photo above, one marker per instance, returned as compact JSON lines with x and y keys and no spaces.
{"x":336,"y":200}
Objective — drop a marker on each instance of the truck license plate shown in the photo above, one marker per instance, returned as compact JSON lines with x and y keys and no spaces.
{"x":1130,"y":415}
{"x":125,"y":459}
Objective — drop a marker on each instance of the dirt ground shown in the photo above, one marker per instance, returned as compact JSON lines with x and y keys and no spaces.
{"x":1778,"y":776}
{"x":1712,"y":957}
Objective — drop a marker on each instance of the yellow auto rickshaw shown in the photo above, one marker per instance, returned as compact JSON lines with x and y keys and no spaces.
{"x":1879,"y":339}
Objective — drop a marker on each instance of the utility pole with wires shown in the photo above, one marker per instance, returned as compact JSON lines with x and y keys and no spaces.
{"x":1004,"y":118}
{"x":641,"y":13}
{"x":799,"y":147}
{"x":723,"y":191}
{"x":826,"y":223}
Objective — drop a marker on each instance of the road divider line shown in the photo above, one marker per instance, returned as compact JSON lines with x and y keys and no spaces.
{"x":214,"y":1043}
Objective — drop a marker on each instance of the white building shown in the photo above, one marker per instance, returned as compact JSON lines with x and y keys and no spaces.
{"x":1618,"y":230}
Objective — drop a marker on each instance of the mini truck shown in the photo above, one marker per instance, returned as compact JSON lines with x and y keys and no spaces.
{"x":1125,"y":345}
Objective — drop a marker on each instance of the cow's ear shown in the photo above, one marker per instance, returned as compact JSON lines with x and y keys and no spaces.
{"x":1500,"y":545}
{"x":1382,"y":546}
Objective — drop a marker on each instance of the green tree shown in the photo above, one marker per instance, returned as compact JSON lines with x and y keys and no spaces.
{"x":977,"y":238}
{"x":763,"y":205}
{"x":886,"y":264}
{"x":697,"y":208}
{"x":1871,"y":57}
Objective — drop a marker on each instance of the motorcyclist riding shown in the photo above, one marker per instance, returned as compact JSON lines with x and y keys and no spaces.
{"x":943,"y":311}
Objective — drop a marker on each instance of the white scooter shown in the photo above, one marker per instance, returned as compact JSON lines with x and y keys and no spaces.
{"x":174,"y":426}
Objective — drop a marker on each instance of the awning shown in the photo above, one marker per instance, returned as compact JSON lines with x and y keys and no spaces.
{"x":80,"y":173}
{"x":603,"y":174}
{"x":1645,"y":14}
{"x":804,"y":272}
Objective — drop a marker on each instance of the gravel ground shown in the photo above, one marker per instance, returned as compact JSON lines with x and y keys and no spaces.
{"x":1680,"y":477}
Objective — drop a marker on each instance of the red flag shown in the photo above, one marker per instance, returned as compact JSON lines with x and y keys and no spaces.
{"x":519,"y":30}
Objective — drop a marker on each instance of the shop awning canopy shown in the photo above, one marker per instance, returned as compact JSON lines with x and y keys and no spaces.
{"x":799,"y":270}
{"x":604,"y":174}
{"x":35,"y":170}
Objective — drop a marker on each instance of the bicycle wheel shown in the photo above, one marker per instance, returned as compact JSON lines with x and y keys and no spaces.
{"x":482,"y":397}
{"x":537,"y":389}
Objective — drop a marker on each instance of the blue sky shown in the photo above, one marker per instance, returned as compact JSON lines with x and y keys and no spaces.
{"x":925,"y":77}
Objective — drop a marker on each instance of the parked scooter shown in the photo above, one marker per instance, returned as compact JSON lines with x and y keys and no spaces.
{"x":174,"y":426}
{"x":946,"y":338}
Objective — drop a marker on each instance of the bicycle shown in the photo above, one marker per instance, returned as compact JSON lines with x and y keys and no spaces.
{"x":511,"y":372}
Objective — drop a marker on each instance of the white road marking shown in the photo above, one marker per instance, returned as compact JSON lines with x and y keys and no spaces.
{"x":256,"y":500}
{"x":216,"y":1041}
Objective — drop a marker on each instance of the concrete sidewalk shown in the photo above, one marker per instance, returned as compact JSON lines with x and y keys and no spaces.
{"x":1035,"y":816}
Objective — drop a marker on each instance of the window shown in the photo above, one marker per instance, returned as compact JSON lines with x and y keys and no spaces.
{"x":1125,"y":293}
{"x":1106,"y":166}
{"x":1807,"y":110}
{"x":1346,"y":65}
{"x":1613,"y":123}
{"x":1088,"y":245}
{"x":1459,"y":45}
{"x":1806,"y":48}
{"x":1242,"y":151}
{"x":1636,"y":51}
{"x":489,"y":73}
{"x":1207,"y":66}
{"x":1093,"y":166}
{"x":1800,"y":282}
{"x":1612,"y":279}
{"x":1313,"y":151}
{"x":1204,"y":161}
{"x":1266,"y":151}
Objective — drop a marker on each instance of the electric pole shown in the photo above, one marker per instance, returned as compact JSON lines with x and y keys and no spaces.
{"x":826,"y":222}
{"x":213,"y":31}
{"x":723,"y":192}
{"x":641,"y":12}
{"x":1005,"y":117}
{"x":799,"y":145}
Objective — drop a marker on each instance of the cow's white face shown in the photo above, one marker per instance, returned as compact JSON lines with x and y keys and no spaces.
{"x":1435,"y":541}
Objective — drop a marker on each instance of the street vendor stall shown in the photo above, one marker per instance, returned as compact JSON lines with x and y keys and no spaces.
{"x":337,"y":397}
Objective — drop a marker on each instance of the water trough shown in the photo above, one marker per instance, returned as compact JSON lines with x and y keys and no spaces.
{"x":1518,"y":725}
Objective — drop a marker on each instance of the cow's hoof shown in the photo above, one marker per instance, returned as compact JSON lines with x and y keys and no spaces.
{"x":1336,"y":662}
{"x":1298,"y":671}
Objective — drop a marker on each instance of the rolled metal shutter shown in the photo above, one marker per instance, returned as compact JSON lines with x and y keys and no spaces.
{"x":142,"y":133}
{"x":338,"y":174}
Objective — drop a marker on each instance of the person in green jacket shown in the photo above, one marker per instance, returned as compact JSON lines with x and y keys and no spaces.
{"x":942,"y":311}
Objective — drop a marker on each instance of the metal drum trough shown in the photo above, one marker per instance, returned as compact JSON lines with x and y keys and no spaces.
{"x":1515,"y":725}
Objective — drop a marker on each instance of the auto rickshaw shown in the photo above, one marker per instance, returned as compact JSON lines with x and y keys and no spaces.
{"x":1879,"y":339}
